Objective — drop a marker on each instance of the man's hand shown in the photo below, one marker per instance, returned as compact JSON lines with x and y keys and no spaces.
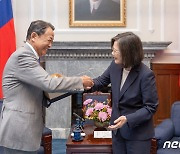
{"x":87,"y":82}
{"x":118,"y":123}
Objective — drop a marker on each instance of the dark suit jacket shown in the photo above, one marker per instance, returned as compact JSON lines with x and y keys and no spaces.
{"x":108,"y":10}
{"x":137,"y":99}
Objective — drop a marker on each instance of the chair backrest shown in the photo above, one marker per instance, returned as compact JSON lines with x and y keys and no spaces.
{"x":175,"y":116}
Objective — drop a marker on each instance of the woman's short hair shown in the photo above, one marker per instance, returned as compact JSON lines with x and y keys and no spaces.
{"x":130,"y":47}
{"x":39,"y":27}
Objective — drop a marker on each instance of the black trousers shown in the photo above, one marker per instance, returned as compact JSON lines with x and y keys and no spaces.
{"x":123,"y":146}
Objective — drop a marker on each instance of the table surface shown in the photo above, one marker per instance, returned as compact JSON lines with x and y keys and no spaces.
{"x":89,"y":139}
{"x":92,"y":145}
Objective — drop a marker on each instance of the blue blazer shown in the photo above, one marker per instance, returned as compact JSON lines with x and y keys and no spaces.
{"x":137,"y":99}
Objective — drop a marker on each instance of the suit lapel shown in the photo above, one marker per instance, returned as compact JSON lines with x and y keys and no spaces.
{"x":130,"y":79}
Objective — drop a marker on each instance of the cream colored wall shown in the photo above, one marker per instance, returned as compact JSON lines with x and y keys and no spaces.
{"x":152,"y":20}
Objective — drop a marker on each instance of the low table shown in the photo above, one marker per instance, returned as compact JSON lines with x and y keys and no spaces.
{"x":89,"y":144}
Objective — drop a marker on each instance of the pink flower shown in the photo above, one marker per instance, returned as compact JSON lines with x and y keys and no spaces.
{"x":86,"y":102}
{"x":99,"y":106}
{"x":109,"y":110}
{"x":102,"y":116}
{"x":89,"y":111}
{"x":98,"y":111}
{"x":106,"y":106}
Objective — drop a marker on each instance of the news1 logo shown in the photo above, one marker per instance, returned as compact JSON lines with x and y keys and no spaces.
{"x":171,"y":144}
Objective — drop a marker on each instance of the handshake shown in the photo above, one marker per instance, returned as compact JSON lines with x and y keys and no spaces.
{"x":87,"y":82}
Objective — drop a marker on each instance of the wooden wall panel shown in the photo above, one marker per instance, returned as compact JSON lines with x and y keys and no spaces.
{"x":167,"y":72}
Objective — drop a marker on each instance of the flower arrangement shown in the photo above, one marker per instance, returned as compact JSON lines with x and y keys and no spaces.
{"x":97,"y":111}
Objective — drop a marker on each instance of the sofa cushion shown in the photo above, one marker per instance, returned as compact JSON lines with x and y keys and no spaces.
{"x":168,"y":151}
{"x":175,"y":116}
{"x":164,"y":132}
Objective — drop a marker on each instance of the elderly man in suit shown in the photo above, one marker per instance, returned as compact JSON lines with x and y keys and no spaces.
{"x":96,"y":10}
{"x":24,"y":80}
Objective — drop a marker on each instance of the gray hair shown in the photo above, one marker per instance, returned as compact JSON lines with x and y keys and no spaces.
{"x":39,"y":27}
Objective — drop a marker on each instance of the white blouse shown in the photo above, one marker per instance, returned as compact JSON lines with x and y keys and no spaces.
{"x":124,"y":77}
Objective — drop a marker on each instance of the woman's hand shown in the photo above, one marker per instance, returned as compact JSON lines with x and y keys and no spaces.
{"x":118,"y":123}
{"x":87,"y":82}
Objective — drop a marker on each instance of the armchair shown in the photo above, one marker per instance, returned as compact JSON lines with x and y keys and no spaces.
{"x":167,"y":133}
{"x":46,"y":141}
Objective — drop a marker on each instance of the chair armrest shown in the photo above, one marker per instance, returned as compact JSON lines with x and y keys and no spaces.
{"x":47,"y":131}
{"x":46,"y":141}
{"x":163,"y":132}
{"x":153,"y":146}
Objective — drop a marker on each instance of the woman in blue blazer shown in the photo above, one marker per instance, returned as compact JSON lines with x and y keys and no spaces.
{"x":134,"y":96}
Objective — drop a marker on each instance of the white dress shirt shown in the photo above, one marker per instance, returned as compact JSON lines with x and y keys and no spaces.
{"x":33,"y":50}
{"x":94,"y":5}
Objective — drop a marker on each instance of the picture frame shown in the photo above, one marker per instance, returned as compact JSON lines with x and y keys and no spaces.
{"x":98,"y":96}
{"x":109,"y":13}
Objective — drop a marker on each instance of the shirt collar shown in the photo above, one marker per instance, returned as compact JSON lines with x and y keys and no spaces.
{"x":94,"y":4}
{"x":34,"y":51}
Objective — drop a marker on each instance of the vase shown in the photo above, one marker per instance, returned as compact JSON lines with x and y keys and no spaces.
{"x":101,"y":126}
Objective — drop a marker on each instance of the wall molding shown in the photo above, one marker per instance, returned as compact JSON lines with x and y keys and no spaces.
{"x":31,"y":10}
{"x":179,"y":25}
{"x":101,"y":30}
{"x":162,"y":20}
{"x":96,"y":50}
{"x":55,"y":6}
{"x":93,"y":31}
{"x":138,"y":21}
{"x":151,"y":29}
{"x":44,"y":6}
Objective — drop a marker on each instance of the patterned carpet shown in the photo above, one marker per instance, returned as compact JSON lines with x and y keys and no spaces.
{"x":59,"y":146}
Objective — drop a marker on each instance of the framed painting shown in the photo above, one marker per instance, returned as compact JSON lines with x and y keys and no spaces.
{"x":97,"y":13}
{"x":98,"y":96}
